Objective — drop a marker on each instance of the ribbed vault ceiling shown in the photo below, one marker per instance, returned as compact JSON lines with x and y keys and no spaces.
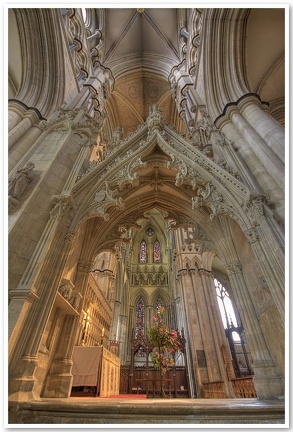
{"x":141,"y":48}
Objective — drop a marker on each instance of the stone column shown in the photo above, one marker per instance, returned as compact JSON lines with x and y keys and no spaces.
{"x":24,"y":126}
{"x":23,"y":145}
{"x":14,"y":117}
{"x":224,"y":150}
{"x":123,"y":338}
{"x":191,"y":359}
{"x":213,"y":332}
{"x":268,"y":179}
{"x":42,"y":282}
{"x":114,"y":329}
{"x":265,"y":155}
{"x":266,"y":127}
{"x":19,"y":130}
{"x":267,"y":380}
{"x":270,"y":266}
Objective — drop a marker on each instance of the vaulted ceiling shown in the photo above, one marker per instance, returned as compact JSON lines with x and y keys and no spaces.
{"x":140,"y":47}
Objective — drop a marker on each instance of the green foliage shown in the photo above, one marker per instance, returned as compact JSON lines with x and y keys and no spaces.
{"x":165,"y":342}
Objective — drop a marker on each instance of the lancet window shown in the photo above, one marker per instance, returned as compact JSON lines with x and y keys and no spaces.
{"x":234,"y":332}
{"x":225,"y":305}
{"x":143,"y":253}
{"x":140,"y":311}
{"x":157,"y":252}
{"x":159,"y":304}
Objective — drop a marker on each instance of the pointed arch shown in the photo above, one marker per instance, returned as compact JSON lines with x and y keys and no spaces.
{"x":157,"y":258}
{"x":41,"y":87}
{"x":142,"y":259}
{"x":159,"y":303}
{"x":139,"y":317}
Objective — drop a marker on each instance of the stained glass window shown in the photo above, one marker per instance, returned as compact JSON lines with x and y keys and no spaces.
{"x":159,"y":304}
{"x":139,"y":317}
{"x":143,"y":252}
{"x":157,"y":252}
{"x":150,"y":232}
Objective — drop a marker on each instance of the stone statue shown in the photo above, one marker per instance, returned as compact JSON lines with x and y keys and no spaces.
{"x":21,"y":179}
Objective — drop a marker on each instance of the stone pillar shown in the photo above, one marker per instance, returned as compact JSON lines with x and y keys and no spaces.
{"x":266,"y":127}
{"x":225,"y":152}
{"x":267,"y":380}
{"x":23,"y":146}
{"x":264,"y":154}
{"x":19,"y":130}
{"x":114,"y":328}
{"x":123,"y":337}
{"x":14,"y":117}
{"x":213,"y":336}
{"x":268,"y":179}
{"x":270,"y":266}
{"x":24,"y":126}
{"x":39,"y":278}
{"x":191,"y":360}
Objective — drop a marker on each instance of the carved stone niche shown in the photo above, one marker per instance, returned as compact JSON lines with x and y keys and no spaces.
{"x":67,"y":297}
{"x":18,"y":184}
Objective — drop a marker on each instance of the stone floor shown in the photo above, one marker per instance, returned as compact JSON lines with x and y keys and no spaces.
{"x":122,"y":411}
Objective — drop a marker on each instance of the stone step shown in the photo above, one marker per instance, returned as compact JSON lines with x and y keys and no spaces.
{"x":95,"y":410}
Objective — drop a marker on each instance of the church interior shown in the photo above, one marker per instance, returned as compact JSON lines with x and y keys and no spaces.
{"x":146,"y":173}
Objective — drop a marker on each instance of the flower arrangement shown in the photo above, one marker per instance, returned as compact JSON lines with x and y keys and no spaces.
{"x":165,"y":342}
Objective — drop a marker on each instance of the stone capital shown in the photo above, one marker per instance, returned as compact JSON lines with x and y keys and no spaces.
{"x":84,"y":266}
{"x":252,"y":235}
{"x":23,"y":293}
{"x":234,"y":268}
{"x":63,"y":208}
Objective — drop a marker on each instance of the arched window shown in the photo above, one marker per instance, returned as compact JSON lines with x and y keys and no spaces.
{"x":226,"y":308}
{"x":150,"y":232}
{"x":140,"y":308}
{"x":157,"y":252}
{"x":143,"y":253}
{"x":234,"y":332}
{"x":159,"y":304}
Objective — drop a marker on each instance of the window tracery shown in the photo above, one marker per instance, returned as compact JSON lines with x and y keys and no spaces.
{"x":143,"y":253}
{"x":140,"y":310}
{"x":139,"y":330}
{"x":150,"y":232}
{"x":157,"y":252}
{"x":159,"y":304}
{"x":225,"y":305}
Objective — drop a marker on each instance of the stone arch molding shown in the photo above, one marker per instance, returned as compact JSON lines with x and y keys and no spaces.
{"x":202,"y":183}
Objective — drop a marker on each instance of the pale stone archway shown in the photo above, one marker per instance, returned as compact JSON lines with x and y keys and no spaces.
{"x":94,"y":212}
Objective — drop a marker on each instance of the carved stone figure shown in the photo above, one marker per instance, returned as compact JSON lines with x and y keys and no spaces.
{"x":19,"y":182}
